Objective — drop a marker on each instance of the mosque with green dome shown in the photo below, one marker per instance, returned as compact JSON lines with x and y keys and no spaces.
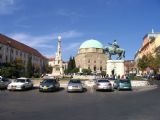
{"x":91,"y":56}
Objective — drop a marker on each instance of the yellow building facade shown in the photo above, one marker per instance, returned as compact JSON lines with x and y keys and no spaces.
{"x":150,"y":43}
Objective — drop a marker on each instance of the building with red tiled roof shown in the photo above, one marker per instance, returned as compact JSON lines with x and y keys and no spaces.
{"x":11,"y":49}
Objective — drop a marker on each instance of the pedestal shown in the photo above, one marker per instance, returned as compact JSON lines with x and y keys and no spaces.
{"x":115,"y":67}
{"x":57,"y":71}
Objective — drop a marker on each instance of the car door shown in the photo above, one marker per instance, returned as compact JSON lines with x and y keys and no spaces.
{"x":27,"y":84}
{"x":57,"y":84}
{"x":115,"y":83}
{"x":30,"y":84}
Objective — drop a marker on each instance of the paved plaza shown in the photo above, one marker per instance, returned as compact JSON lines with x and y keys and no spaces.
{"x":139,"y":104}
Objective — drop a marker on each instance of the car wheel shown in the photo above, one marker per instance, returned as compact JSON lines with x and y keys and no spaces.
{"x":118,"y":89}
{"x":40,"y":90}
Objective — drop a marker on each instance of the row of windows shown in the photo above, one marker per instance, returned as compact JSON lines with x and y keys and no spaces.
{"x":22,"y":54}
{"x":13,"y":52}
{"x":89,"y":61}
{"x":95,"y":68}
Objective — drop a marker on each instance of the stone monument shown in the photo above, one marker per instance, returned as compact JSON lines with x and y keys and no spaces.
{"x":115,"y":67}
{"x":58,"y":70}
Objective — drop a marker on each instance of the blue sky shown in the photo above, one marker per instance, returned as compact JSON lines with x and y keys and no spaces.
{"x":37,"y":23}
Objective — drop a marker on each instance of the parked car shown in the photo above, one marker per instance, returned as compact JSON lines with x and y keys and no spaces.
{"x":156,"y":77}
{"x":103,"y":84}
{"x":75,"y":85}
{"x":20,"y":84}
{"x":122,"y":84}
{"x":49,"y":85}
{"x":4,"y":82}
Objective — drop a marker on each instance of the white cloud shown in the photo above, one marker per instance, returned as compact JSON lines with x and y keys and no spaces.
{"x":72,"y":46}
{"x":46,"y":43}
{"x":71,"y":34}
{"x":7,"y":6}
{"x":43,"y":40}
{"x":33,"y":41}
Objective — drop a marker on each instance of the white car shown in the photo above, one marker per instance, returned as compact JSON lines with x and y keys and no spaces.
{"x":20,"y":84}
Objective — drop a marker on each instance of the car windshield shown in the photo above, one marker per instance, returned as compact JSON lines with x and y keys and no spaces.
{"x":124,"y":81}
{"x":20,"y":80}
{"x":74,"y":81}
{"x":49,"y":81}
{"x":103,"y":81}
{"x":4,"y":80}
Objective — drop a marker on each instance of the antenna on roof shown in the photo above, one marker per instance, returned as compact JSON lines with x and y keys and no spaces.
{"x":152,"y":30}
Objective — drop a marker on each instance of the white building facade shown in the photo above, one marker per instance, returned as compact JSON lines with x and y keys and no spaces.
{"x":10,"y":50}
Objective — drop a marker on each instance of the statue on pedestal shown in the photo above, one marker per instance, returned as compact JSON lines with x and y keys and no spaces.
{"x":114,"y":49}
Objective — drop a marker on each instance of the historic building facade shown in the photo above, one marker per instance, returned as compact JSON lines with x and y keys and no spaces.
{"x":130,"y":67}
{"x":11,"y":50}
{"x":91,"y":56}
{"x":151,"y":42}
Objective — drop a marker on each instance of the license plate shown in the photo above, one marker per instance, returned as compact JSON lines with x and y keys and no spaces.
{"x":13,"y":87}
{"x":45,"y":88}
{"x":125,"y":87}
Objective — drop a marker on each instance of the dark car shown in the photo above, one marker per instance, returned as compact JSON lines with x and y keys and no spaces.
{"x":49,"y":85}
{"x":4,"y":82}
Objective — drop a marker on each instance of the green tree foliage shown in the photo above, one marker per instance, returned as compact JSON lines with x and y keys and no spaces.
{"x":71,"y":66}
{"x":20,"y":68}
{"x":143,"y":63}
{"x":29,"y":71}
{"x":149,"y":61}
{"x":103,"y":73}
{"x":48,"y":69}
{"x":15,"y":69}
{"x":8,"y":72}
{"x":86,"y":71}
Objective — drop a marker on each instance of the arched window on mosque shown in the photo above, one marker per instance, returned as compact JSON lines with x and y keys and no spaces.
{"x":89,"y":67}
{"x":89,"y":61}
{"x":95,"y":68}
{"x":100,"y":68}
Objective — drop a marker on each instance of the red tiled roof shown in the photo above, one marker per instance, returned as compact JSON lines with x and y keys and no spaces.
{"x":51,"y":59}
{"x":20,"y":46}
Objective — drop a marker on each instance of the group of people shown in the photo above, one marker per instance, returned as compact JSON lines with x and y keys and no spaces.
{"x":117,"y":76}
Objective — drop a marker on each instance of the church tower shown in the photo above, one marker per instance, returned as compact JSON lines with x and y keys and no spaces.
{"x":58,"y":63}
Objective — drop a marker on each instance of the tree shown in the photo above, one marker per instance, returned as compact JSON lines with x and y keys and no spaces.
{"x":149,"y":61}
{"x":8,"y":72}
{"x":29,"y":72}
{"x":71,"y":66}
{"x":75,"y":70}
{"x":19,"y":65}
{"x":103,"y":73}
{"x":48,"y":69}
{"x":86,"y":71}
{"x":143,"y":63}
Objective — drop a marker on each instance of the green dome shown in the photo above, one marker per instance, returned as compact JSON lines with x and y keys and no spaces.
{"x":91,"y":44}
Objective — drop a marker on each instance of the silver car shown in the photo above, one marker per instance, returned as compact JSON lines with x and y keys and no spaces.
{"x":75,"y":85}
{"x":103,"y":84}
{"x":4,"y":82}
{"x":20,"y":84}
